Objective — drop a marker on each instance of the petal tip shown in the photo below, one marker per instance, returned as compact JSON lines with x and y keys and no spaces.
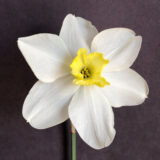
{"x":139,"y":37}
{"x":70,"y":15}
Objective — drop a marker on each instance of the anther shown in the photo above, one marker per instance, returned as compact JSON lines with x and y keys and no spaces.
{"x":85,"y":72}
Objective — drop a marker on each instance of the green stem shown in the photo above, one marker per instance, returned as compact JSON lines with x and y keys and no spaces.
{"x":73,"y":143}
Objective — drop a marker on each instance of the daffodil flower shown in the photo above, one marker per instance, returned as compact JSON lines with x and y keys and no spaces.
{"x":82,"y":75}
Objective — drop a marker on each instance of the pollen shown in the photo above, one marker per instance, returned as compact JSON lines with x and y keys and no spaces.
{"x":87,"y":68}
{"x":85,"y":72}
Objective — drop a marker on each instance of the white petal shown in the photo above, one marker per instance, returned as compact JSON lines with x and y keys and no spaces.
{"x":119,"y":45}
{"x":47,"y":103}
{"x":127,"y":88}
{"x":110,"y":39}
{"x":77,"y":33}
{"x":47,"y":56}
{"x":92,"y":116}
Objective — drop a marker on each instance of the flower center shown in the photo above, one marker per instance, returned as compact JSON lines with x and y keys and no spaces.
{"x":85,"y":72}
{"x":87,"y":68}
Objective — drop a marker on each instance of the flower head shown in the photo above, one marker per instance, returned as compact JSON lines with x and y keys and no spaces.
{"x":82,"y":75}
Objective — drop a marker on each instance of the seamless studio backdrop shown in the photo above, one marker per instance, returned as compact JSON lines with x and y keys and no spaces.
{"x":138,"y":127}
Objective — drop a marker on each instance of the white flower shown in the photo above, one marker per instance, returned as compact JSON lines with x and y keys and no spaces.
{"x":72,"y":86}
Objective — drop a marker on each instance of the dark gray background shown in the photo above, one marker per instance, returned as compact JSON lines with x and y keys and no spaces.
{"x":138,"y":127}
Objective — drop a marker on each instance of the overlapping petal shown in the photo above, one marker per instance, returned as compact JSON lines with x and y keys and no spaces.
{"x":119,"y":45}
{"x":92,"y":116}
{"x":47,"y":103}
{"x":47,"y":56}
{"x":126,"y":88}
{"x":77,"y":33}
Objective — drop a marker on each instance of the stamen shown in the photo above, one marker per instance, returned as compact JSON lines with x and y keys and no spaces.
{"x":85,"y":72}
